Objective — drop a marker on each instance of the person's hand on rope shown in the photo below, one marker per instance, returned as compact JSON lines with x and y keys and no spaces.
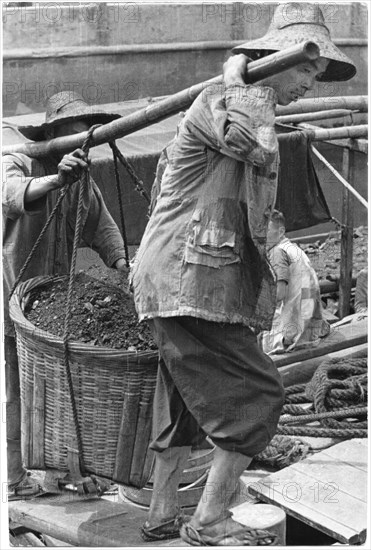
{"x":72,"y":167}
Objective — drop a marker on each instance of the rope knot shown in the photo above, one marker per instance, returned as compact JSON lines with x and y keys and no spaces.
{"x":89,"y":138}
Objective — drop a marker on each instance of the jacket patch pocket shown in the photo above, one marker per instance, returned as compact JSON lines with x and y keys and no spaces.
{"x":211,"y":246}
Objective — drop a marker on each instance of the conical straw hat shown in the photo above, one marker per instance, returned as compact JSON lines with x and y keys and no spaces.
{"x":296,"y":22}
{"x":65,"y":107}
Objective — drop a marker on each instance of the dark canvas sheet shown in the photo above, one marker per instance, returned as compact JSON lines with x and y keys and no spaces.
{"x":299,"y":193}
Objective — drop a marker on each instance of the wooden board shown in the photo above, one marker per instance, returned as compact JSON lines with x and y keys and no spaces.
{"x":301,"y":372}
{"x":327,"y":491}
{"x":340,"y":337}
{"x":82,"y":521}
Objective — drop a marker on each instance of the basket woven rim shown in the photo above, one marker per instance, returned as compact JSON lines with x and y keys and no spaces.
{"x":17,"y":304}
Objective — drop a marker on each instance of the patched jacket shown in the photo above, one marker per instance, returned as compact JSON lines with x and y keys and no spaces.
{"x":203,"y":250}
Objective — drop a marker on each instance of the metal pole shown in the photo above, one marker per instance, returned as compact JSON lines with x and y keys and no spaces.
{"x":346,"y":258}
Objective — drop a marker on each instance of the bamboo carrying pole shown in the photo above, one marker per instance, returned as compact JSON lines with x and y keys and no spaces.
{"x":64,"y":144}
{"x":256,"y":70}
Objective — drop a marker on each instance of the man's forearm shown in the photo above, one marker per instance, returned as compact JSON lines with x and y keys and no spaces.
{"x":281,"y":291}
{"x":38,"y":187}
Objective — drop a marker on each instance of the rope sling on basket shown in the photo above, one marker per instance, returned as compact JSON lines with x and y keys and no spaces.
{"x":338,"y":393}
{"x":110,"y":391}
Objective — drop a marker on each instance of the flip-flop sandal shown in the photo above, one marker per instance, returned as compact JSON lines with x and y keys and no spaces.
{"x":164,"y":531}
{"x":244,"y":536}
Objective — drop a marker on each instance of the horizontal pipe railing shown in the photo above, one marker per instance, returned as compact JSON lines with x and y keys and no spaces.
{"x":127,"y":49}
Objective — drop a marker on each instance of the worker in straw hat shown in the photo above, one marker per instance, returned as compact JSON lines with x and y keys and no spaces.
{"x":30,"y":191}
{"x":211,"y":289}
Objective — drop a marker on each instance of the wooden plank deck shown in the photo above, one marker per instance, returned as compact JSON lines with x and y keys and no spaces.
{"x":79,"y":521}
{"x":94,"y":522}
{"x":327,"y":491}
{"x":341,"y":337}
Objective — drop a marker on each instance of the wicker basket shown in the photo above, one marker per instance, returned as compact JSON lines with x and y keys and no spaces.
{"x":113,"y":391}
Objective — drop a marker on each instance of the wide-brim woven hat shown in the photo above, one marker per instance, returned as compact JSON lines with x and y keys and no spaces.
{"x":294,"y":23}
{"x":65,"y":107}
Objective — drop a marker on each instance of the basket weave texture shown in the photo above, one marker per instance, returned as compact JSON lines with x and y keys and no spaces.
{"x":113,"y":390}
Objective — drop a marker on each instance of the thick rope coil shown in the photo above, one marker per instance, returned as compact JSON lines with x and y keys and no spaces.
{"x":310,"y":431}
{"x":294,"y":409}
{"x":294,"y":389}
{"x":338,"y":389}
{"x":311,"y":417}
{"x":345,"y":381}
{"x":283,"y":451}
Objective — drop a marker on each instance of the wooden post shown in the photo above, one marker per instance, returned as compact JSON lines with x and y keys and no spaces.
{"x":346,"y":258}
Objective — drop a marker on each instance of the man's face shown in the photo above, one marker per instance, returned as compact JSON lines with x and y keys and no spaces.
{"x":292,"y":84}
{"x":71,"y":128}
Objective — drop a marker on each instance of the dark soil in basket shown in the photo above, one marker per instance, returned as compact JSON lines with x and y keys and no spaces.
{"x":102,"y":314}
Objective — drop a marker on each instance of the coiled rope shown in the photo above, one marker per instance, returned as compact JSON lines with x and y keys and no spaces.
{"x":338,"y":393}
{"x":338,"y":396}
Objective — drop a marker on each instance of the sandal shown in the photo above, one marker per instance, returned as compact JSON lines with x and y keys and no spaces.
{"x":244,"y":536}
{"x":28,"y":487}
{"x":166,"y":530}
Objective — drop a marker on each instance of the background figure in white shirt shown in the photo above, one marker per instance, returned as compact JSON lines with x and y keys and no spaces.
{"x":298,"y":321}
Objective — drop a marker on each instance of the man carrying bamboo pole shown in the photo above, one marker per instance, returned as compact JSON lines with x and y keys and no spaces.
{"x":30,"y":192}
{"x":202,"y":278}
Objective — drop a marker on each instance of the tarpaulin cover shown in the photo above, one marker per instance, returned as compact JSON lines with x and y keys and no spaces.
{"x":299,"y":193}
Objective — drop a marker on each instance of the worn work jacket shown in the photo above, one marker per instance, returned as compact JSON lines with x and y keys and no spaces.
{"x":22,"y":226}
{"x":203,"y":250}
